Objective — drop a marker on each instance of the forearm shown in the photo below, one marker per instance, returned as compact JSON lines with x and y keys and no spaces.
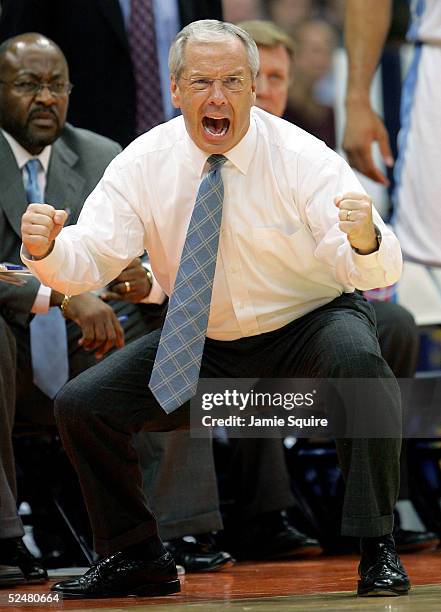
{"x":72,"y":271}
{"x":19,"y":299}
{"x":378,"y":269}
{"x":56,"y":298}
{"x":336,"y":237}
{"x":367,"y":24}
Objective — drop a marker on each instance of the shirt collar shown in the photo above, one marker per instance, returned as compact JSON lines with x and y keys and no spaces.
{"x":22,"y":156}
{"x":240,"y":155}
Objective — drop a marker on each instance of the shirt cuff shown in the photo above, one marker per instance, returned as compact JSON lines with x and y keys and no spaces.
{"x":51,"y":258}
{"x":366,"y":261}
{"x":42,"y":300}
{"x":385,"y":258}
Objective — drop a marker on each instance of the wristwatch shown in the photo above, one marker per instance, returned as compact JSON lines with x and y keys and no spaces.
{"x":64,"y":304}
{"x":149,"y":276}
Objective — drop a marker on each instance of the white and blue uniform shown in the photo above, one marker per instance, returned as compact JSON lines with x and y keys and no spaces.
{"x":417,"y":217}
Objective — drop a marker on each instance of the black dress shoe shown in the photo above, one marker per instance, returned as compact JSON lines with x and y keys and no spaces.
{"x":123,"y":575}
{"x":381,"y":572}
{"x":272,"y":536}
{"x":10,"y":576}
{"x":414,"y":541}
{"x":14,"y":552}
{"x":199,"y":554}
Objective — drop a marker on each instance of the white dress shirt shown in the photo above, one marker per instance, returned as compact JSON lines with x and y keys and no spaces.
{"x":42,"y":299}
{"x":22,"y":156}
{"x":281,"y":252}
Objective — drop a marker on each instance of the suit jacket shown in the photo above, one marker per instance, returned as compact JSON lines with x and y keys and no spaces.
{"x":92,"y":35}
{"x":78,"y":160}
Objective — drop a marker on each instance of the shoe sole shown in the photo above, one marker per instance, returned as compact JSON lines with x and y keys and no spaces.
{"x":383,"y":592}
{"x":148,"y":590}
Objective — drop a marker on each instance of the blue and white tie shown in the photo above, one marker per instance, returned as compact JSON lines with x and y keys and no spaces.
{"x":49,"y":352}
{"x":176,"y":369}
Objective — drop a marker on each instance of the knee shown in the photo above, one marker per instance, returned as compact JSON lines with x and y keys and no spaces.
{"x":72,"y":404}
{"x":358,"y":361}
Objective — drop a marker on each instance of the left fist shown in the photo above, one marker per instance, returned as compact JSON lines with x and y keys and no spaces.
{"x":355,"y":214}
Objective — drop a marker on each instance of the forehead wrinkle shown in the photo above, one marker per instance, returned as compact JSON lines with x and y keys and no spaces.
{"x":215,"y":58}
{"x":219,"y":73}
{"x":36,"y":61}
{"x":206,"y":64}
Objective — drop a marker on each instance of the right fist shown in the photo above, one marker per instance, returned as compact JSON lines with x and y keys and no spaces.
{"x":40,"y":225}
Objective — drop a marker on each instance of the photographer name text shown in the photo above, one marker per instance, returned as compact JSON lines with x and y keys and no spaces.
{"x":254,"y":421}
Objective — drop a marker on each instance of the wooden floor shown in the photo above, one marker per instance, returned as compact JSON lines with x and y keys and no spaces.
{"x":323,"y":584}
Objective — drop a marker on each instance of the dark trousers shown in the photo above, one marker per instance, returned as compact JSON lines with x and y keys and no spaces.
{"x":98,"y":412}
{"x":179,"y":481}
{"x":258,"y":480}
{"x":21,"y":400}
{"x":257,"y":465}
{"x":9,"y":524}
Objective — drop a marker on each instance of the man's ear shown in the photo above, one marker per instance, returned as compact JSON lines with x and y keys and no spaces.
{"x":175,"y":93}
{"x":253,"y":91}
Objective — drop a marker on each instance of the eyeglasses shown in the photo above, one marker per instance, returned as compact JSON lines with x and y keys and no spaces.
{"x":32,"y":88}
{"x":231,"y":83}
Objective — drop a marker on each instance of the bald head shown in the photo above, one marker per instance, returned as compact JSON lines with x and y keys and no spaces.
{"x":19,"y":44}
{"x":34,"y":90}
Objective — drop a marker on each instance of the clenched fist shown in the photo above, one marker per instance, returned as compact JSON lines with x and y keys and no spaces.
{"x":40,"y":225}
{"x":355,"y":214}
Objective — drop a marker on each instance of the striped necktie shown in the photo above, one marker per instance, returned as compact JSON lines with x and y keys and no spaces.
{"x":49,"y":354}
{"x":175,"y":372}
{"x":142,"y":39}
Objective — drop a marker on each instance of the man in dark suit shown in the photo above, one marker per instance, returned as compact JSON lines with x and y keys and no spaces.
{"x":33,"y":102}
{"x":93,"y":35}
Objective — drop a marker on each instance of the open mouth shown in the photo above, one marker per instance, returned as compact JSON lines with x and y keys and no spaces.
{"x":216,"y":126}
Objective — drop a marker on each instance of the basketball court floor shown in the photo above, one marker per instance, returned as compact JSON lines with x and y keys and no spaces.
{"x":324,"y":584}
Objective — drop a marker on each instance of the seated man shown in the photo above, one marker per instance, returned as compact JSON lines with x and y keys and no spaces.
{"x":10,"y":573}
{"x":265,"y":183}
{"x":42,"y":157}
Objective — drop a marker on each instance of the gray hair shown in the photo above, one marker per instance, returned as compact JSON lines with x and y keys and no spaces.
{"x":208,"y":31}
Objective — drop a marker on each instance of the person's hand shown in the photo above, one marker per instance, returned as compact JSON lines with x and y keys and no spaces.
{"x":355,"y":214}
{"x":99,"y":324}
{"x":132,"y":285}
{"x":363,"y":128}
{"x":40,"y":225}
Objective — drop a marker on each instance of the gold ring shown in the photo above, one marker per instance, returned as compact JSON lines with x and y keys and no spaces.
{"x":128,"y":288}
{"x":348,"y":215}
